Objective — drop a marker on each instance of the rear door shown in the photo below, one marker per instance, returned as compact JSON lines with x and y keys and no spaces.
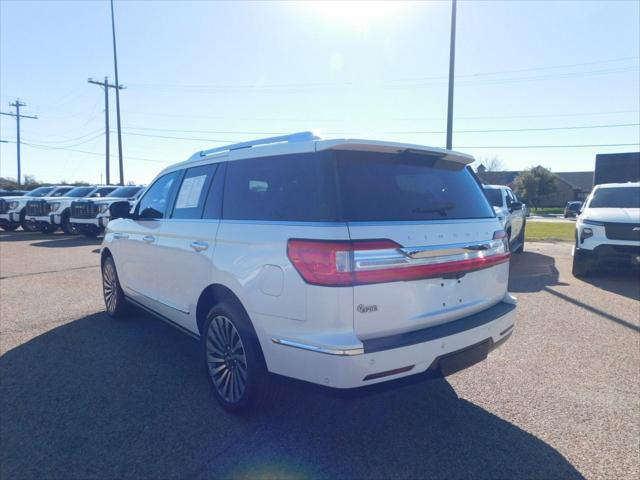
{"x":187,"y":242}
{"x":435,"y":259}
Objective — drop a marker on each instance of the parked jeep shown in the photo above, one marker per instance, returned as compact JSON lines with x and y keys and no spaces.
{"x":49,"y":214}
{"x":14,"y":210}
{"x":90,"y":216}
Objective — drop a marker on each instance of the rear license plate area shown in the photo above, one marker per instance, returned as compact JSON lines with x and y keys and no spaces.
{"x":461,"y":359}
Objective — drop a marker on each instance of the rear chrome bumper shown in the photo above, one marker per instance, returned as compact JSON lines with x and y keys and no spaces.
{"x":443,"y":349}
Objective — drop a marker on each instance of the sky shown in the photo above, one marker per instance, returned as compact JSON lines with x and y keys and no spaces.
{"x":535,"y":81}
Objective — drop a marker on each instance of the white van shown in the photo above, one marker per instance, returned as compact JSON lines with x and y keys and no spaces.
{"x":343,"y":263}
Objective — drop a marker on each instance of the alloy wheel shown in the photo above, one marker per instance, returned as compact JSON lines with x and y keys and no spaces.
{"x":226,"y":359}
{"x":110,"y":286}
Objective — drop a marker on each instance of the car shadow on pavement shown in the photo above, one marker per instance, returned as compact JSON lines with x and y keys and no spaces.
{"x":621,"y":282}
{"x":532,"y":272}
{"x":67,"y":241}
{"x":20,"y":236}
{"x":104,"y":398}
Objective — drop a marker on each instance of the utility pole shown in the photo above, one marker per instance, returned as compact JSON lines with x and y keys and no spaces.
{"x":115,"y":64}
{"x":452,"y":61}
{"x":106,"y":85}
{"x":17,"y":104}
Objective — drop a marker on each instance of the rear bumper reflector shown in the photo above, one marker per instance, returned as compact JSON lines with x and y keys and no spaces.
{"x":388,"y":373}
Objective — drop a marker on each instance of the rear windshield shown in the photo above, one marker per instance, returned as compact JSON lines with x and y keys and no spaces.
{"x":620,"y":197}
{"x":124,"y":192}
{"x":407,"y":186}
{"x":495,"y":196}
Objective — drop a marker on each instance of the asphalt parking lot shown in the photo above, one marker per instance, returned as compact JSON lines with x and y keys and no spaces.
{"x":84,"y":396}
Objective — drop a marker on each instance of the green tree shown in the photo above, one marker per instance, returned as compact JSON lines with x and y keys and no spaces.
{"x":535,"y":184}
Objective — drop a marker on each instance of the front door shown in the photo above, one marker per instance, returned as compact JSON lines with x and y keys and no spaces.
{"x":139,"y":241}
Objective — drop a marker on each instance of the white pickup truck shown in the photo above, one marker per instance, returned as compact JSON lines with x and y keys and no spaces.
{"x":510,"y":212}
{"x":90,"y":216}
{"x":49,"y":214}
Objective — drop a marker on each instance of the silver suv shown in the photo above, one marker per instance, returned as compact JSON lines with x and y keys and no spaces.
{"x":343,"y":263}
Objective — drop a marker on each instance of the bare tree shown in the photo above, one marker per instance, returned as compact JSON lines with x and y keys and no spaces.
{"x":493,"y":164}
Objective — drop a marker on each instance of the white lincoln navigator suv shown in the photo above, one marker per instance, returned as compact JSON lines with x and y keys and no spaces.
{"x":343,"y":263}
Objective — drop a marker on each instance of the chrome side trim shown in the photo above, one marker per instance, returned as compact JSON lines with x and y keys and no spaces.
{"x":317,"y":349}
{"x":172,"y":307}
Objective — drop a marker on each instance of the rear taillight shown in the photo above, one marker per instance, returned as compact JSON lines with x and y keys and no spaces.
{"x":347,"y":263}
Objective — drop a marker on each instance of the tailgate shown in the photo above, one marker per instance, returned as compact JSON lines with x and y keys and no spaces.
{"x":451,"y":254}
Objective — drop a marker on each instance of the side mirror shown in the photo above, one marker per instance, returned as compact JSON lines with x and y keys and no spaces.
{"x":515,"y":206}
{"x":120,"y":210}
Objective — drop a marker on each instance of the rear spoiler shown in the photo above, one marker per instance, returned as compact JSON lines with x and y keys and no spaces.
{"x":391,"y":147}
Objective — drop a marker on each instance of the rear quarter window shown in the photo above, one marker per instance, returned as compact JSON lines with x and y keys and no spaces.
{"x":298,"y":187}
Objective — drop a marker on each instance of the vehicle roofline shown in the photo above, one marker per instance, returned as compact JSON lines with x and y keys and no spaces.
{"x":280,"y":145}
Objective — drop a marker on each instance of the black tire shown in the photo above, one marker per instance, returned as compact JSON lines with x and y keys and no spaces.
{"x":47,"y":228}
{"x":114,"y":300}
{"x":233,"y":360}
{"x":520,"y":248}
{"x":9,"y":227}
{"x":66,"y":225}
{"x":580,"y":267}
{"x":91,"y":231}
{"x":26,"y":225}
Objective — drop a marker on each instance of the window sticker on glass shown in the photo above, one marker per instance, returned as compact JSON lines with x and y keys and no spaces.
{"x":190,"y":192}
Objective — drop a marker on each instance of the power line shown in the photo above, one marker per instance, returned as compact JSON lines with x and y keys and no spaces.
{"x":180,"y":138}
{"x":545,"y":115}
{"x":47,"y":147}
{"x":553,"y":146}
{"x":499,"y":81}
{"x":67,"y":140}
{"x":543,"y":129}
{"x":350,"y":84}
{"x":17,"y":104}
{"x":64,"y":147}
{"x":501,"y":72}
{"x":411,"y":132}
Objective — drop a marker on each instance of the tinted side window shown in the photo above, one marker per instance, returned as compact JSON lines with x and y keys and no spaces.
{"x":156,"y":200}
{"x":193,"y":192}
{"x":298,"y":187}
{"x":494,"y":195}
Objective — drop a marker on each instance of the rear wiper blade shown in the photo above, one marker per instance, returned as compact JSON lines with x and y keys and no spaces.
{"x":441,"y":209}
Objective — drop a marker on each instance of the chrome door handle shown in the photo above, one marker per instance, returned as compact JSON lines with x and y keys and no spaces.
{"x":199,"y":246}
{"x":148,"y":239}
{"x":118,"y":235}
